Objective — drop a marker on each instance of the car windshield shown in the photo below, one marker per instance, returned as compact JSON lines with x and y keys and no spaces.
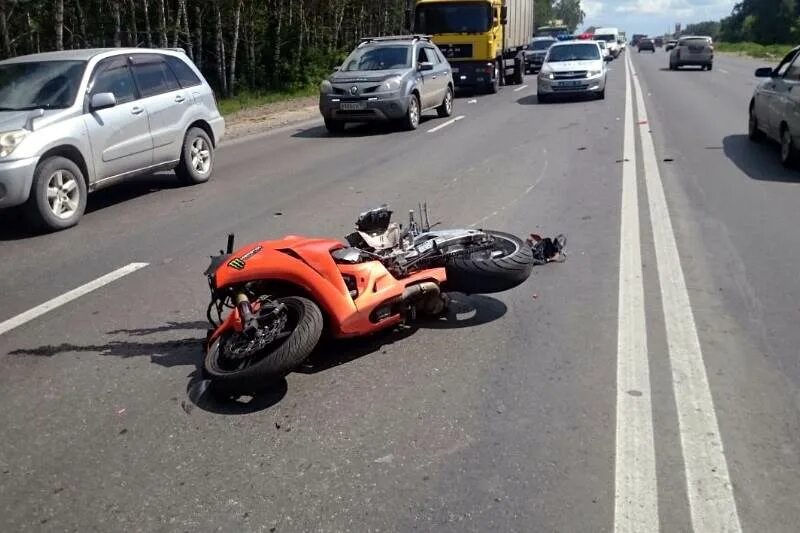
{"x":608,"y":38}
{"x":378,"y":58}
{"x":698,"y":41}
{"x":39,"y":84}
{"x":467,"y":17}
{"x":574,"y":52}
{"x":541,"y":45}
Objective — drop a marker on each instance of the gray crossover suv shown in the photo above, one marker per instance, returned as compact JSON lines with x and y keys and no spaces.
{"x":388,"y":78}
{"x":72,"y":122}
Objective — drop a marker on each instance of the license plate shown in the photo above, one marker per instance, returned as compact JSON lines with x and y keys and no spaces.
{"x":352,"y":106}
{"x":572,"y":83}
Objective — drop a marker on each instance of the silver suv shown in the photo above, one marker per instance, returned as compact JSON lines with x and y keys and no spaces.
{"x":388,"y":78}
{"x":75,"y":121}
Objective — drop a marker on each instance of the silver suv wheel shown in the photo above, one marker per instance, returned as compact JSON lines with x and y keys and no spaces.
{"x":63,"y":195}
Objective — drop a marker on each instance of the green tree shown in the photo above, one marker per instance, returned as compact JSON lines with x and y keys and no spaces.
{"x":570,"y":12}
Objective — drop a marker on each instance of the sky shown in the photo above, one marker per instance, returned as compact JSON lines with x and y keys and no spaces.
{"x":652,"y":17}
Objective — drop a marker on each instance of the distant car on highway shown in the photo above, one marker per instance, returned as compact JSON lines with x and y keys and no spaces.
{"x":75,"y":121}
{"x":772,"y":111}
{"x":573,"y":68}
{"x":692,"y":51}
{"x":388,"y":79}
{"x":537,"y":49}
{"x":659,"y":42}
{"x":646,"y":43}
{"x":604,"y":50}
{"x":670,"y":45}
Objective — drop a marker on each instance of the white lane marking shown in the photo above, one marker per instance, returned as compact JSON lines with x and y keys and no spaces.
{"x":518,"y":89}
{"x":723,"y":71}
{"x":711,"y":499}
{"x":473,"y":101}
{"x":636,"y":486}
{"x":445,"y":124}
{"x":67,"y":297}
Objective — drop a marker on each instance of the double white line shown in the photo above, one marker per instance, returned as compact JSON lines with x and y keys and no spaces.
{"x":711,"y":499}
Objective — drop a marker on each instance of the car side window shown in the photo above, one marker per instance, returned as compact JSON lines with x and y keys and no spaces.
{"x":432,"y":57}
{"x":793,"y":72}
{"x":440,"y":55}
{"x":153,"y":76}
{"x":184,"y":73}
{"x":783,"y":66}
{"x":114,"y":76}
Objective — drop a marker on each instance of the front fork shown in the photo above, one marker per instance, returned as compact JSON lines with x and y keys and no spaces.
{"x":248,"y":319}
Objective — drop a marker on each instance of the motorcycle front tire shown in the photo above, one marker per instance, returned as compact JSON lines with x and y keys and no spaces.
{"x":284,"y":358}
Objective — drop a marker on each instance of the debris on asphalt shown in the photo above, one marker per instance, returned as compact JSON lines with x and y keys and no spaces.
{"x":547,"y":250}
{"x":187,"y":407}
{"x":123,"y":431}
{"x":278,"y":214}
{"x":635,"y":392}
{"x":385,"y":459}
{"x":642,"y":122}
{"x":582,"y":148}
{"x":668,"y":160}
{"x":122,"y":411}
{"x":277,"y":426}
{"x":535,"y":296}
{"x":626,"y":160}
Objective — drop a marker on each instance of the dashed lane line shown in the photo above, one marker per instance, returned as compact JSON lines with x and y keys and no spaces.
{"x":68,"y":297}
{"x":445,"y":124}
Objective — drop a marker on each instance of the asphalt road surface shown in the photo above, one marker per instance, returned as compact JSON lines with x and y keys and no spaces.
{"x":650,"y":382}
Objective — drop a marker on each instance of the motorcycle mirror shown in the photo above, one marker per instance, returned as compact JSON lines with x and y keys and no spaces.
{"x":231,"y":238}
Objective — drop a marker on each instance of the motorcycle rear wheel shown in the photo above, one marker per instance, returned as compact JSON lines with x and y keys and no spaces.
{"x":300,"y":335}
{"x":503,"y":266}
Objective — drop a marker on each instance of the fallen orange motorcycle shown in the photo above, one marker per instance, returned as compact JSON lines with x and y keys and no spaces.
{"x":280,"y":295}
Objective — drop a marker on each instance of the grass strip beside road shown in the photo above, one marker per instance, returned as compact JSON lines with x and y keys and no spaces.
{"x":249,"y":99}
{"x":761,"y":51}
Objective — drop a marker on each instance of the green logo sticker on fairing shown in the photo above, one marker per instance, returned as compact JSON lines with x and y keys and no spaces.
{"x":238,"y":263}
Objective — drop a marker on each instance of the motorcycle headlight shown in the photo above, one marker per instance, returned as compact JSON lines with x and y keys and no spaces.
{"x":392,"y":84}
{"x":325,"y":87}
{"x":10,"y":140}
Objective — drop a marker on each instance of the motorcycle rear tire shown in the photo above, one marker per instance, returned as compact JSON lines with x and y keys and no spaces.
{"x":287,"y":356}
{"x":476,"y":274}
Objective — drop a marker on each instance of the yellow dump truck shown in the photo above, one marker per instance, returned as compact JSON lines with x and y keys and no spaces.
{"x":483,"y":40}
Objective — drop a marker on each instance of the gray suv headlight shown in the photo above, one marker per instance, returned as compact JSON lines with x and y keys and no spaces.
{"x":392,"y":84}
{"x":10,"y":140}
{"x":325,"y":87}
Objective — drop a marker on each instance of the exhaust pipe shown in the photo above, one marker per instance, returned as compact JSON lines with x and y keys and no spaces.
{"x":428,"y":295}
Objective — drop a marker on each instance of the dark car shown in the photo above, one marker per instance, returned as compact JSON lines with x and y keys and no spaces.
{"x":537,"y":49}
{"x":659,"y":42}
{"x":646,"y":44}
{"x":696,"y":51}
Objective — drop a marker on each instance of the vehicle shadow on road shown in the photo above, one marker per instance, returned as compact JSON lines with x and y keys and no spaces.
{"x":760,"y":161}
{"x":571,"y":100}
{"x":14,"y":227}
{"x":355,"y":130}
{"x":464,"y":312}
{"x":683,"y":69}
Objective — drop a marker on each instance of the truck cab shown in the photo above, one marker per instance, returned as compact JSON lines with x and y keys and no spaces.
{"x":484,"y":40}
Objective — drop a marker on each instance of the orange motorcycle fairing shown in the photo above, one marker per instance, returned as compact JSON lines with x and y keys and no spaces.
{"x":307,"y":263}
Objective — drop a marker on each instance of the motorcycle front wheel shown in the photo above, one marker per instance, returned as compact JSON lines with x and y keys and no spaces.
{"x":504,"y":264}
{"x":245,"y":363}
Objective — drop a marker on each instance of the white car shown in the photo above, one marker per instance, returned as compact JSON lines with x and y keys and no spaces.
{"x":573,"y":68}
{"x":604,"y":49}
